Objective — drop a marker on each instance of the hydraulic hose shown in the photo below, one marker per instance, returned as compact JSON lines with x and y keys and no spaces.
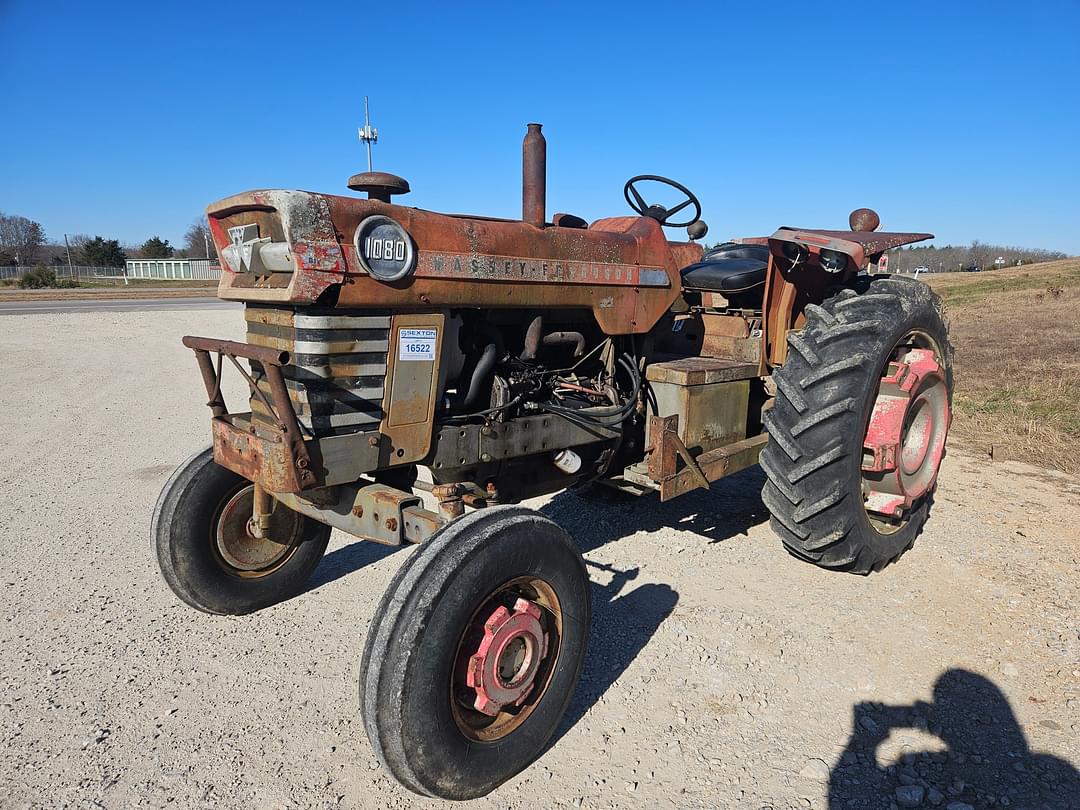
{"x":481,"y":372}
{"x":609,"y":416}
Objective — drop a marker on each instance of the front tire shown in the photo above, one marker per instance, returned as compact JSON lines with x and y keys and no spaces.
{"x":474,"y":652}
{"x":205,"y":553}
{"x":858,"y":427}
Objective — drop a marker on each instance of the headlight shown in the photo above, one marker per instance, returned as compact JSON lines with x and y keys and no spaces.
{"x":250,"y":253}
{"x":384,"y":248}
{"x":833,"y":260}
{"x":794,"y":252}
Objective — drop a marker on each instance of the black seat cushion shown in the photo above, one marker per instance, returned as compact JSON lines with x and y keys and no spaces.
{"x":730,"y":268}
{"x":735,"y":250}
{"x":725,"y":275}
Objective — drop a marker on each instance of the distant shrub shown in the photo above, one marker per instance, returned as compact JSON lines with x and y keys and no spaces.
{"x":38,"y":278}
{"x":41,"y":277}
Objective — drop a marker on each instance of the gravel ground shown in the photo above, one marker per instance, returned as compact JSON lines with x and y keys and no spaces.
{"x":722,"y":672}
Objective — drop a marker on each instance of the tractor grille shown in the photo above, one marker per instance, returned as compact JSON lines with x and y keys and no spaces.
{"x":337,"y":370}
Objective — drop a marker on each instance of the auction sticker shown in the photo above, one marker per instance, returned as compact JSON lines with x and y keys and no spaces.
{"x":416,"y":344}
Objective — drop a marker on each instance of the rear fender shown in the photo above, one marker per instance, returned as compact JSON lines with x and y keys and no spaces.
{"x":804,"y":265}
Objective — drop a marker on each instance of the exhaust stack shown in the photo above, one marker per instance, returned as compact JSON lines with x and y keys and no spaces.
{"x":534,"y":176}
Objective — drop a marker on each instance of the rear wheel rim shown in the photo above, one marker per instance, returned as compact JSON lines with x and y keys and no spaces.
{"x":505,"y":659}
{"x":241,"y":554}
{"x":904,"y":439}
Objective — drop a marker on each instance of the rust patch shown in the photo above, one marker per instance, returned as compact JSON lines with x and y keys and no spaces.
{"x":281,"y":463}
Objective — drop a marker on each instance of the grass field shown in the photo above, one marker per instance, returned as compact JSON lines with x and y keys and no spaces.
{"x":1017,"y":339}
{"x":111,"y":288}
{"x":111,"y":283}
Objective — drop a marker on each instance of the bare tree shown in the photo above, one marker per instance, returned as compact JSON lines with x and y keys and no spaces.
{"x":979,"y":255}
{"x":198,"y":242}
{"x":21,"y":237}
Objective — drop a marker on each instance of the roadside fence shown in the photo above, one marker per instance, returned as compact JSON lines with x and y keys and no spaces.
{"x":171,"y":269}
{"x":63,"y":271}
{"x":174,"y":269}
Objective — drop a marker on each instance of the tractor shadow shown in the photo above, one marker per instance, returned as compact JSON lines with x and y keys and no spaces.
{"x":983,"y":760}
{"x":623,"y":623}
{"x":600,"y":515}
{"x":349,"y":558}
{"x":730,"y":508}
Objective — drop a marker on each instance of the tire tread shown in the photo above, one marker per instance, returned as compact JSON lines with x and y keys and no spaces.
{"x":815,"y":435}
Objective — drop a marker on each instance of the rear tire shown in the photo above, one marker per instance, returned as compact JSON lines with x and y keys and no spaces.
{"x":203,"y":551}
{"x":421,"y":714}
{"x":817,"y":489}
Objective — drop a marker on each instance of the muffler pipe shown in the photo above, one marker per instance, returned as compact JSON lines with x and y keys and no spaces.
{"x":534,"y":176}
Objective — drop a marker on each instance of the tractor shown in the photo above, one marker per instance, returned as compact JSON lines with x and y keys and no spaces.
{"x":413,"y":376}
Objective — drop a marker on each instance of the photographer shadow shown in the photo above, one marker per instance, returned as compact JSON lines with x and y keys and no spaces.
{"x":986,"y":760}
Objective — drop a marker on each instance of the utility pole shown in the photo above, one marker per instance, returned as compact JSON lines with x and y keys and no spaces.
{"x":368,"y":134}
{"x":68,"y":247}
{"x":206,"y":242}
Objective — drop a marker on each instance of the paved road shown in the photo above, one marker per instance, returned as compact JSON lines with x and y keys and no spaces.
{"x":112,"y":305}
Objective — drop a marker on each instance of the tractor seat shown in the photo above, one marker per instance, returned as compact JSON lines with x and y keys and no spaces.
{"x":728,"y":269}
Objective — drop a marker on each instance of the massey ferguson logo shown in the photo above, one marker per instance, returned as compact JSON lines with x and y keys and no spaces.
{"x":243,"y":238}
{"x":243,"y":233}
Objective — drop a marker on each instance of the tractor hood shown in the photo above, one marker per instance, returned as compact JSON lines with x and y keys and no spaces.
{"x":299,"y":247}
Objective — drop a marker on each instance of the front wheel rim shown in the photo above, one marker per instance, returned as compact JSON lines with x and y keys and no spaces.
{"x":505,"y":659}
{"x":241,"y":554}
{"x":904,"y":441}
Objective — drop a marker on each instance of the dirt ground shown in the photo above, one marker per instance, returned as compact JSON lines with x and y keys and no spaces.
{"x":721,"y":673}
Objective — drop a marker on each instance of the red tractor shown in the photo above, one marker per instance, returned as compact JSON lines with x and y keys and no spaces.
{"x":511,"y":358}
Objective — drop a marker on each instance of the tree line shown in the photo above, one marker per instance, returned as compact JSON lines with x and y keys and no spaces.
{"x":950,"y":258}
{"x":23,"y":242}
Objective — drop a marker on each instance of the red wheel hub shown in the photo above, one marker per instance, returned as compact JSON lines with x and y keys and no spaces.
{"x":502,"y":671}
{"x":905,"y":438}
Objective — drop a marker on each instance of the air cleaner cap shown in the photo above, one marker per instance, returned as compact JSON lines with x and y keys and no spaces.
{"x":379,"y":185}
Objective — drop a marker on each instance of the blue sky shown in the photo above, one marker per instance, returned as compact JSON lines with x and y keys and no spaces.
{"x":125,"y":119}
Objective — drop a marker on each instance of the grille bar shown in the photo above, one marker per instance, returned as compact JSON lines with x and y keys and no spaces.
{"x":337,"y":371}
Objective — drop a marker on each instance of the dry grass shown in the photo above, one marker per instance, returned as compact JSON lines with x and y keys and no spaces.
{"x":1017,"y":339}
{"x":101,"y":283}
{"x":175,"y":289}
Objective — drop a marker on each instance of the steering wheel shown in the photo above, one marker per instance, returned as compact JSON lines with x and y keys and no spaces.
{"x":659,"y":212}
